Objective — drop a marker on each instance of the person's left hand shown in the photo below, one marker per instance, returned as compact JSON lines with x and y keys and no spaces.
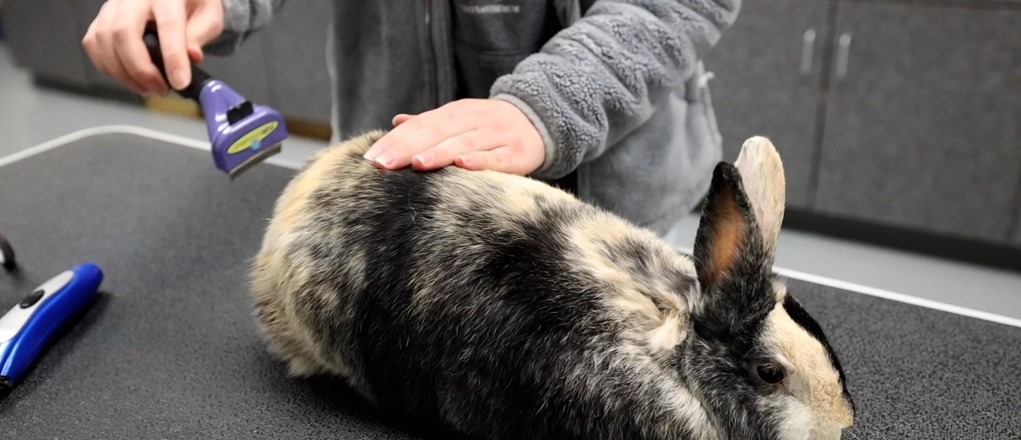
{"x":475,"y":134}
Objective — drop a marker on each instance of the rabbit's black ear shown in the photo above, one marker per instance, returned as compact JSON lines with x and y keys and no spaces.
{"x":741,"y":217}
{"x":726,"y":229}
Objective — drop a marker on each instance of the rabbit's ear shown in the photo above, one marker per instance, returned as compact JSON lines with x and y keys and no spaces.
{"x":741,"y":219}
{"x":762,"y":175}
{"x":726,"y":229}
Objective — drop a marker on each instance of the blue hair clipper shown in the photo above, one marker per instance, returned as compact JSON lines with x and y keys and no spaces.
{"x":27,"y":327}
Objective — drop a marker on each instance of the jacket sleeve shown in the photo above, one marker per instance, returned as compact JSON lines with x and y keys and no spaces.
{"x":241,"y":18}
{"x":602,"y":77}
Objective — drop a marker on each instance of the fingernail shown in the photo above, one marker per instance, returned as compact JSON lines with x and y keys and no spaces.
{"x":384,"y":159}
{"x":424,"y":158}
{"x":371,"y":154}
{"x":177,"y":77}
{"x":155,"y":89}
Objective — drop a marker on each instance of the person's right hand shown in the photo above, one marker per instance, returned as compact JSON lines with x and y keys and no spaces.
{"x":114,"y":40}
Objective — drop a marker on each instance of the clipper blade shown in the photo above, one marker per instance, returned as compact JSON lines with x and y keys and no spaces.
{"x":256,"y":159}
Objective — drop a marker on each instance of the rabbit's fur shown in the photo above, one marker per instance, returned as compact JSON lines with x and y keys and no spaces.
{"x":504,"y":308}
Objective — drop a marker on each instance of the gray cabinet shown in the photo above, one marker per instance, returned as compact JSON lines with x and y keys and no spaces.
{"x":767,"y":71}
{"x":45,"y":36}
{"x":85,"y":12}
{"x":922,"y":126}
{"x":243,"y":71}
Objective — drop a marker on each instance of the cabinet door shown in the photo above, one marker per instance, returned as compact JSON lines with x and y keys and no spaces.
{"x":767,"y":74}
{"x":296,"y":60}
{"x":45,"y":37}
{"x":922,"y":126}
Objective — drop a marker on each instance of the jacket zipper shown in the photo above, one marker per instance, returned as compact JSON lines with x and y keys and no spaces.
{"x":433,"y":63}
{"x":440,"y":67}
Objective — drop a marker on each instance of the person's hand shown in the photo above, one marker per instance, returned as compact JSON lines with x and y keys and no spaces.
{"x":114,"y":40}
{"x":475,"y":134}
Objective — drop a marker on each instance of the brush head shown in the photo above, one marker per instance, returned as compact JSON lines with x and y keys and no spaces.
{"x":250,"y":141}
{"x":254,"y":160}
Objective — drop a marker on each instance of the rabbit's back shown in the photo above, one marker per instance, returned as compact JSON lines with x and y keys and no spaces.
{"x":482,"y":300}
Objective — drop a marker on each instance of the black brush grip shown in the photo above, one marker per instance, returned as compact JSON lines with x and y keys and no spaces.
{"x":199,"y":78}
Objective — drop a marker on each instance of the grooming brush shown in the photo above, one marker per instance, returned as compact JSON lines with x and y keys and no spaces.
{"x":242,"y":134}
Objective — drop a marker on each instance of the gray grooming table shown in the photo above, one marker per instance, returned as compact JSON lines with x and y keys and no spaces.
{"x":170,"y":349}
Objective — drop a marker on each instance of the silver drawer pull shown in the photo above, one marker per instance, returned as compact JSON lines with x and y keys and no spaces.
{"x":843,"y":52}
{"x":807,"y":49}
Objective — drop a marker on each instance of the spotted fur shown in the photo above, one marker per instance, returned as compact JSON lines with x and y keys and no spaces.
{"x":504,"y":308}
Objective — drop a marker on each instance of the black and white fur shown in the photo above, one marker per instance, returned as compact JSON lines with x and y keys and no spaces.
{"x":504,"y":308}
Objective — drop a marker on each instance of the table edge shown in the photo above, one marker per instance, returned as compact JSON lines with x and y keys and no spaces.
{"x":134,"y":130}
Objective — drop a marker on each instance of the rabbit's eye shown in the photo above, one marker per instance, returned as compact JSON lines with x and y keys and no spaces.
{"x":770,"y":373}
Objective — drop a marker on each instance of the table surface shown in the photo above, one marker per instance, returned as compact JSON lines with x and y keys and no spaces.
{"x":170,"y":348}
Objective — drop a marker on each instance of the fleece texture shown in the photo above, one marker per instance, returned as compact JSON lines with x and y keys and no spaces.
{"x":616,"y":88}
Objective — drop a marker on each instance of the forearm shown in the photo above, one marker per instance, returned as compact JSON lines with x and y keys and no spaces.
{"x":240,"y":19}
{"x":602,"y":77}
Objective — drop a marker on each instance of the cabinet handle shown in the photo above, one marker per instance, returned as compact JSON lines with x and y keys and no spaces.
{"x":843,"y":52}
{"x":807,"y":48}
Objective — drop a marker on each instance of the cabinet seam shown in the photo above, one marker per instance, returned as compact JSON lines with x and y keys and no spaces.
{"x":822,"y":104}
{"x":1014,"y":227}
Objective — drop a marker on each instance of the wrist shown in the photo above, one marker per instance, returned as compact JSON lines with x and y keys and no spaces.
{"x":548,"y":144}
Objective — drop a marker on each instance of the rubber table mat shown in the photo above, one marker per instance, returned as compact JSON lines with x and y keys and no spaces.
{"x":170,"y":349}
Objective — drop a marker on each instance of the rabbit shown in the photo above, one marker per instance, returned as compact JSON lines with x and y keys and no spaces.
{"x":500,"y":307}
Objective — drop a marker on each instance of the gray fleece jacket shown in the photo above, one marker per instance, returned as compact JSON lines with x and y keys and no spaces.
{"x":616,"y":88}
